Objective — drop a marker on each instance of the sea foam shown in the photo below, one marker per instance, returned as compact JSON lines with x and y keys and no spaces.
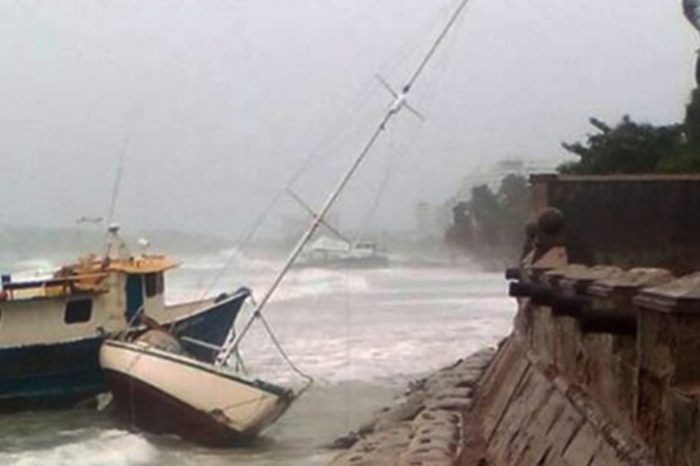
{"x":113,"y":447}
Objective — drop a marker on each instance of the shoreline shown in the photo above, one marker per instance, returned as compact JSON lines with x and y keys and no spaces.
{"x":424,"y":426}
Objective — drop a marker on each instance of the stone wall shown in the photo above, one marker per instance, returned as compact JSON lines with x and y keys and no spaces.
{"x":603,"y":365}
{"x":532,"y":417}
{"x":626,"y":342}
{"x":629,"y":221}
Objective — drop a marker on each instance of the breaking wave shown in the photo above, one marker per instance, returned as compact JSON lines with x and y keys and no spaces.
{"x":113,"y":447}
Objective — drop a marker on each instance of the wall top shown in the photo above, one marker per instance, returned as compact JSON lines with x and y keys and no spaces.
{"x":631,"y":280}
{"x":550,"y":177}
{"x":677,"y":296}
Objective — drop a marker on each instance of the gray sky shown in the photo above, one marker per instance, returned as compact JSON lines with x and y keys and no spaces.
{"x":221,"y":100}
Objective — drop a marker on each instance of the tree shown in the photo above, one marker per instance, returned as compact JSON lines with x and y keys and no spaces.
{"x":629,"y":147}
{"x":687,"y":158}
{"x":490,"y":225}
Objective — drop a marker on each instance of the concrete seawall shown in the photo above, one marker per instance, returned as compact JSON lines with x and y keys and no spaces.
{"x":603,"y":365}
{"x":529,"y":415}
{"x":503,"y":408}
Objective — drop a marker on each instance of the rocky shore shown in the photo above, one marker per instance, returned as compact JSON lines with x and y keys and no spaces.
{"x":423,"y":427}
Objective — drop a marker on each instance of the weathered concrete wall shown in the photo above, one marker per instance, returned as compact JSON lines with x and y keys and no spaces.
{"x":603,"y":365}
{"x":531,"y":416}
{"x":629,"y":221}
{"x":625,"y":342}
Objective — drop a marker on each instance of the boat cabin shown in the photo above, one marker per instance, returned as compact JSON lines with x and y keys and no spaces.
{"x":90,"y":297}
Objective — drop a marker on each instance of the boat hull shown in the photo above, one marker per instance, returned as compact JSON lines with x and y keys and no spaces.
{"x":157,"y":412}
{"x":63,"y":374}
{"x":164,"y":393}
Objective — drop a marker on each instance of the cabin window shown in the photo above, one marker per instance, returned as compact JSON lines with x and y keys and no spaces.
{"x":78,"y":311}
{"x":154,"y":284}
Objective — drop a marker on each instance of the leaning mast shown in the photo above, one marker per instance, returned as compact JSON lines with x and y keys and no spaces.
{"x":400,"y":102}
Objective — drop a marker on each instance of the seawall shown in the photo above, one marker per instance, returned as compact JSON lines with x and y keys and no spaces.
{"x":602,"y":367}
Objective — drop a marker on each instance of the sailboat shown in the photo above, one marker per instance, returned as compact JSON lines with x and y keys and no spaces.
{"x":162,"y":388}
{"x":51,"y":329}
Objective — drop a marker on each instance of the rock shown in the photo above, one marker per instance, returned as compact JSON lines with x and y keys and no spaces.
{"x":424,"y":427}
{"x":344,"y":442}
{"x":393,"y":415}
{"x":366,"y":429}
{"x":454,"y":392}
{"x":450,"y":403}
{"x":415,"y":385}
{"x":437,"y":416}
{"x":428,"y":457}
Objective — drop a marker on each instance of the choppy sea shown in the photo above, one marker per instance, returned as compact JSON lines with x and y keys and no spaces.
{"x":361,"y":334}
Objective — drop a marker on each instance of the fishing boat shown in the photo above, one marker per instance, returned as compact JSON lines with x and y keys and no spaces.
{"x":162,"y":388}
{"x":51,"y":329}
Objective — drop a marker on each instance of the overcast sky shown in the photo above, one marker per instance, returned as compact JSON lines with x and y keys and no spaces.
{"x":216,"y":103}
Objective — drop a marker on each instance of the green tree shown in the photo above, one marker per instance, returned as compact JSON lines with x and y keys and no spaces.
{"x":687,"y":158}
{"x":490,"y":225}
{"x":629,"y":147}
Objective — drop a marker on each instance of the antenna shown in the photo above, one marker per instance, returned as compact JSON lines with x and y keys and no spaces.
{"x":118,"y":178}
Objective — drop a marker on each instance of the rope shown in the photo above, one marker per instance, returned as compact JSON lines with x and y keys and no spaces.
{"x":330,"y":201}
{"x":326,"y":146}
{"x":278,"y":346}
{"x":436,"y":44}
{"x":390,"y":170}
{"x":405,"y":149}
{"x":309,"y":379}
{"x":314,"y":225}
{"x":247,"y":237}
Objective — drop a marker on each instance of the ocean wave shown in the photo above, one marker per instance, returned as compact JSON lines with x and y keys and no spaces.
{"x":309,"y":283}
{"x":114,"y":447}
{"x":228,"y":259}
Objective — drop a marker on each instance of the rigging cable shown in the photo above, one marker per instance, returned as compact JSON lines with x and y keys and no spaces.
{"x":367,"y":89}
{"x":285,"y":356}
{"x":436,"y":44}
{"x":118,"y":178}
{"x":324,"y":147}
{"x":389,"y":114}
{"x":403,"y":151}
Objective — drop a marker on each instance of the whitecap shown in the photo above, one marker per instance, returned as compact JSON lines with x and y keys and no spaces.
{"x":114,"y":447}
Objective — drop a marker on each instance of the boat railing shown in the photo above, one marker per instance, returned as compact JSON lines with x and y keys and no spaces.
{"x":200,"y":343}
{"x":53,"y":287}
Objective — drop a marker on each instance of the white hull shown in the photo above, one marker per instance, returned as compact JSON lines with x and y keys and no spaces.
{"x":168,"y":393}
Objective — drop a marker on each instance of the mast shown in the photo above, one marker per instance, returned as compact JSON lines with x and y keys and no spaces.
{"x":400,"y":102}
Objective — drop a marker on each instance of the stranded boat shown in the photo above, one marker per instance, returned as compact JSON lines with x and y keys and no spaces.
{"x":164,"y":389}
{"x":51,"y":329}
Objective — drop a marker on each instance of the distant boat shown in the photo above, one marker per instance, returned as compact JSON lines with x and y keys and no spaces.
{"x":163,"y":388}
{"x":51,"y":329}
{"x":327,"y":252}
